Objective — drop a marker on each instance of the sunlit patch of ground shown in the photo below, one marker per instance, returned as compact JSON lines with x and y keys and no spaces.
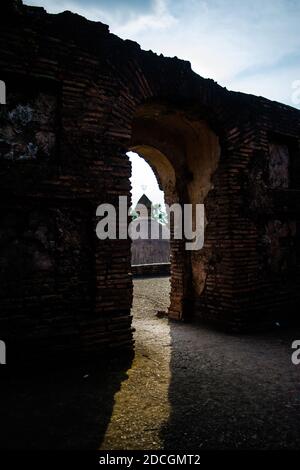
{"x":141,"y":406}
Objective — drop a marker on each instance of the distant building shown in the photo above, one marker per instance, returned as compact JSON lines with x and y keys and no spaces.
{"x":153,"y":244}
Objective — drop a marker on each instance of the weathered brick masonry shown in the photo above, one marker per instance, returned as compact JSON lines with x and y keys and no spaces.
{"x":78,"y":98}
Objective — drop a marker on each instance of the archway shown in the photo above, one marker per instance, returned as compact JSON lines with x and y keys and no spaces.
{"x":110,"y":96}
{"x":184,"y":153}
{"x":150,"y":248}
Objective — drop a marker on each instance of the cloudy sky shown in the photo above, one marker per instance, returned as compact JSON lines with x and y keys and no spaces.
{"x":250,"y":46}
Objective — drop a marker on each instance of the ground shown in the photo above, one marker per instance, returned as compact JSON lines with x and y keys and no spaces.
{"x":191,"y":387}
{"x":188,"y":387}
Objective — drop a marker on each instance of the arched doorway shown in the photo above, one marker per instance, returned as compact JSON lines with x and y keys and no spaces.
{"x":150,"y":248}
{"x":183,"y":152}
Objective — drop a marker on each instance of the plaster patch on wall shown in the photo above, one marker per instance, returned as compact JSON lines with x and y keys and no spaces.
{"x":27,"y":130}
{"x":278,"y":166}
{"x":280,"y":245}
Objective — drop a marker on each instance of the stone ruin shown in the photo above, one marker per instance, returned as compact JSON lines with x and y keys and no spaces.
{"x":78,"y":99}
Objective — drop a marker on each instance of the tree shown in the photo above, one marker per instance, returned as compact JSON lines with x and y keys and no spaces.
{"x":159,"y":215}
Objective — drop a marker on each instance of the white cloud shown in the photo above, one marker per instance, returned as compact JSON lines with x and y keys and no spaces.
{"x":159,"y":18}
{"x":244,"y":45}
{"x":126,"y":23}
{"x":58,"y":6}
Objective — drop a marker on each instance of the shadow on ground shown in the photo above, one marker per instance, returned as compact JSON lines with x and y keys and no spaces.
{"x":232,"y":392}
{"x":65,"y":408}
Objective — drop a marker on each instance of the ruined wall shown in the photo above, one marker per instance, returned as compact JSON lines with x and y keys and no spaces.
{"x":78,"y":98}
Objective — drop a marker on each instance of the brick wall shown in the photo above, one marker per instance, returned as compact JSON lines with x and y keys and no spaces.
{"x":78,"y":98}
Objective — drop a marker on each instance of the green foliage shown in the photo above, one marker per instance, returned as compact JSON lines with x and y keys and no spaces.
{"x":133,"y":213}
{"x":158,"y":214}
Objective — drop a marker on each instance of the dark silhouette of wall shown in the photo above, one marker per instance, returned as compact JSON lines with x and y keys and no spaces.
{"x":78,"y":98}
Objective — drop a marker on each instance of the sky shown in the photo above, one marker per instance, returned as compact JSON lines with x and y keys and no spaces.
{"x":143,"y":181}
{"x":251,"y":46}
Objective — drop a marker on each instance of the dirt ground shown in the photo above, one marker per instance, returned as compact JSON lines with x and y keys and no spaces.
{"x":191,"y":387}
{"x":142,"y":406}
{"x":187,"y":388}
